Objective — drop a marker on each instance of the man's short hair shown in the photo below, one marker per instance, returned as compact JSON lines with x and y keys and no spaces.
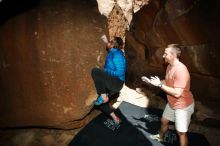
{"x":175,"y":49}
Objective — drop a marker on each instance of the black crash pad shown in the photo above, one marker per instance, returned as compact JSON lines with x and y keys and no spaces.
{"x":137,"y":125}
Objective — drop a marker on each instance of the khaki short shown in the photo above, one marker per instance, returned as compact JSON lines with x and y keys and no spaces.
{"x":181,"y":117}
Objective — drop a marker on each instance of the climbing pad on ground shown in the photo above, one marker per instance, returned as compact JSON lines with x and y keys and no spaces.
{"x":137,"y":125}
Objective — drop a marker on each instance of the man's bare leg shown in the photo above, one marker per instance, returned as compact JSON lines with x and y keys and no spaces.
{"x":183,"y":138}
{"x":164,"y":127}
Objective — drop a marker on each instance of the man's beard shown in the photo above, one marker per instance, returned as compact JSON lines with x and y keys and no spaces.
{"x":165,"y":62}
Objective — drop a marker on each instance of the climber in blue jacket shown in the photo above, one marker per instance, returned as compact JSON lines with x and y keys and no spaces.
{"x":110,"y":80}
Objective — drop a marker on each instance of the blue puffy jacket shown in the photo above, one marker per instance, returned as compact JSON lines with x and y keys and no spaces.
{"x":115,"y":63}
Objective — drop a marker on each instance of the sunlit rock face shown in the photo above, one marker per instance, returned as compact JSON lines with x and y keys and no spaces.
{"x":119,"y":14}
{"x":47,"y":53}
{"x":195,"y":25}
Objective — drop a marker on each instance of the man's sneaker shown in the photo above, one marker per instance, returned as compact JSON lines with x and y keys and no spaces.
{"x":156,"y":137}
{"x":99,"y":101}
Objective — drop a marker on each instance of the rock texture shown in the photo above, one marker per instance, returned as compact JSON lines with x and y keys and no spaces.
{"x":119,"y":14}
{"x":48,"y":49}
{"x":195,"y":25}
{"x":47,"y":53}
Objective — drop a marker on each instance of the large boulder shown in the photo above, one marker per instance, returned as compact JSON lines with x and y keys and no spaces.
{"x":47,"y":53}
{"x":195,"y":25}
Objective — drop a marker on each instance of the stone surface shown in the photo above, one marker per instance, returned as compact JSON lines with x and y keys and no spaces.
{"x":55,"y":137}
{"x":193,"y":24}
{"x":119,"y":14}
{"x":47,"y":53}
{"x":48,"y":50}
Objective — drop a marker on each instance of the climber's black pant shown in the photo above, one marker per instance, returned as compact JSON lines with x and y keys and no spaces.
{"x":108,"y":84}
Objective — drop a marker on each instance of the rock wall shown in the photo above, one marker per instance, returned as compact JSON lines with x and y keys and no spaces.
{"x":195,"y":25}
{"x":48,"y":50}
{"x":47,"y":53}
{"x":119,"y":14}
